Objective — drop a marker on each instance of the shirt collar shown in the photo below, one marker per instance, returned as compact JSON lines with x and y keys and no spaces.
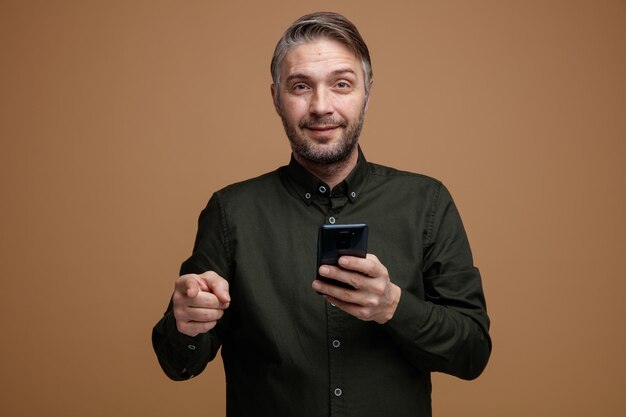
{"x":307,"y":185}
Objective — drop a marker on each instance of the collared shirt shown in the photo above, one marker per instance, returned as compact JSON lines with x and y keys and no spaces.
{"x":286,"y":351}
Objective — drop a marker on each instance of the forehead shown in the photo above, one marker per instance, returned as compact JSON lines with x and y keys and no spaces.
{"x":319,"y":57}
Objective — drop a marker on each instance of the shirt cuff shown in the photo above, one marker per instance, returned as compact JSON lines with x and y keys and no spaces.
{"x":409,"y":316}
{"x":187,"y":347}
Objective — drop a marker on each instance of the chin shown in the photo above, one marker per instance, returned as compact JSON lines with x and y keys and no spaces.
{"x":325,"y":154}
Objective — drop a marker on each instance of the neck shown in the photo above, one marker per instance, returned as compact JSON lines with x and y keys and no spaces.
{"x":331,"y":174}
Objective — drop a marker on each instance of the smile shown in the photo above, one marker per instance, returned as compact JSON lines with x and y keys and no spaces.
{"x":322,"y":131}
{"x":321,"y":128}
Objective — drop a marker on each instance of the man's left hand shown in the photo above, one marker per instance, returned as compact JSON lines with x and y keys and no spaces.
{"x":373,"y":296}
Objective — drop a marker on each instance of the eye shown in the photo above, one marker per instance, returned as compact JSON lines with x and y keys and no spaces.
{"x":299,"y":87}
{"x":343,"y":84}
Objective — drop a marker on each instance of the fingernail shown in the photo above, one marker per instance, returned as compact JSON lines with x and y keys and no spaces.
{"x":324,"y":270}
{"x":316,"y":285}
{"x":343,"y":261}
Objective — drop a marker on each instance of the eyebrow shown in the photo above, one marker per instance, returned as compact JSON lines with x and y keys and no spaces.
{"x":301,"y":76}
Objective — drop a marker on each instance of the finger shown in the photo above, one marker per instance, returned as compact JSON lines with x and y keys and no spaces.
{"x":221,"y":290}
{"x":345,"y":294}
{"x":206,"y":300}
{"x":203,"y":315}
{"x":217,"y":285}
{"x":351,"y":278}
{"x":205,"y":307}
{"x":194,"y":328}
{"x":369,"y":266}
{"x":192,"y":289}
{"x":188,"y":286}
{"x":355,"y":310}
{"x":341,"y":304}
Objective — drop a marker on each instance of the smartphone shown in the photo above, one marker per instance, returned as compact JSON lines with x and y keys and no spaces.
{"x":336,"y":240}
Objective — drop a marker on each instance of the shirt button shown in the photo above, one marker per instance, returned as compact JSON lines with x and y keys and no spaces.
{"x":336,"y":343}
{"x":353,"y":194}
{"x":191,"y":347}
{"x":332,"y":220}
{"x":322,"y":189}
{"x":338,"y":392}
{"x":307,"y":195}
{"x":333,"y":305}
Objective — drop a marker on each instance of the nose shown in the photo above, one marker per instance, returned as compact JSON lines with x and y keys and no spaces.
{"x":321,"y":102}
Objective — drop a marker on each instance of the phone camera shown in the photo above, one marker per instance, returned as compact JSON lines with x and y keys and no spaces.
{"x":344,"y":238}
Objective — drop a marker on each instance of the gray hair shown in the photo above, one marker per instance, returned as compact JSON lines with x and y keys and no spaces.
{"x":316,"y":26}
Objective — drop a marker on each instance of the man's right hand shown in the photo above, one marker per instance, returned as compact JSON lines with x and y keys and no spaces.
{"x":199,"y":302}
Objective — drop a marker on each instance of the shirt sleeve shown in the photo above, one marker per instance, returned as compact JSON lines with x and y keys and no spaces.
{"x":182,"y":357}
{"x":448,"y":329}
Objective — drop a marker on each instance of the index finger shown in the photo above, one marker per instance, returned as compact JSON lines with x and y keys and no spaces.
{"x":189,"y":286}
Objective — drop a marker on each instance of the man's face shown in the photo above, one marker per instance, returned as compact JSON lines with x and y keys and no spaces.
{"x":322,"y":100}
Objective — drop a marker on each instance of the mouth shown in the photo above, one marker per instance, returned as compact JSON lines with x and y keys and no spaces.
{"x":323,"y":132}
{"x":321,"y":128}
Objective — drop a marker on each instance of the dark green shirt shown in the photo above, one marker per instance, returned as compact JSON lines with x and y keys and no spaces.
{"x":286,"y":351}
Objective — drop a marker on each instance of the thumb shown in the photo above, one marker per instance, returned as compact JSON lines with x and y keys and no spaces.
{"x":219,"y":287}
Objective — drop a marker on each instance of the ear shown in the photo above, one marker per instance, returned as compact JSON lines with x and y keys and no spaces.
{"x":275,"y":99}
{"x":369,"y":93}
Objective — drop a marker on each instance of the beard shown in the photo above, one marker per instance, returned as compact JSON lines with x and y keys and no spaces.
{"x":339,"y":152}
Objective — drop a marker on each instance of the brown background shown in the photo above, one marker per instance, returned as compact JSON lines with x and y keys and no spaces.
{"x":118,"y":119}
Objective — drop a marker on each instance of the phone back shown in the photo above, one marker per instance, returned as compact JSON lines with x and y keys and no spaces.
{"x":336,"y":240}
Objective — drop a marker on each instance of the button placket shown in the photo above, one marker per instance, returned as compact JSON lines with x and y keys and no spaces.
{"x":335,"y":320}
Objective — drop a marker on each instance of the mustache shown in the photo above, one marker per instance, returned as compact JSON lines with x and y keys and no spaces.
{"x":322,"y":122}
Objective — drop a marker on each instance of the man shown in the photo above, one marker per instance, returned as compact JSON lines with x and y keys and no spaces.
{"x":416,"y":306}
